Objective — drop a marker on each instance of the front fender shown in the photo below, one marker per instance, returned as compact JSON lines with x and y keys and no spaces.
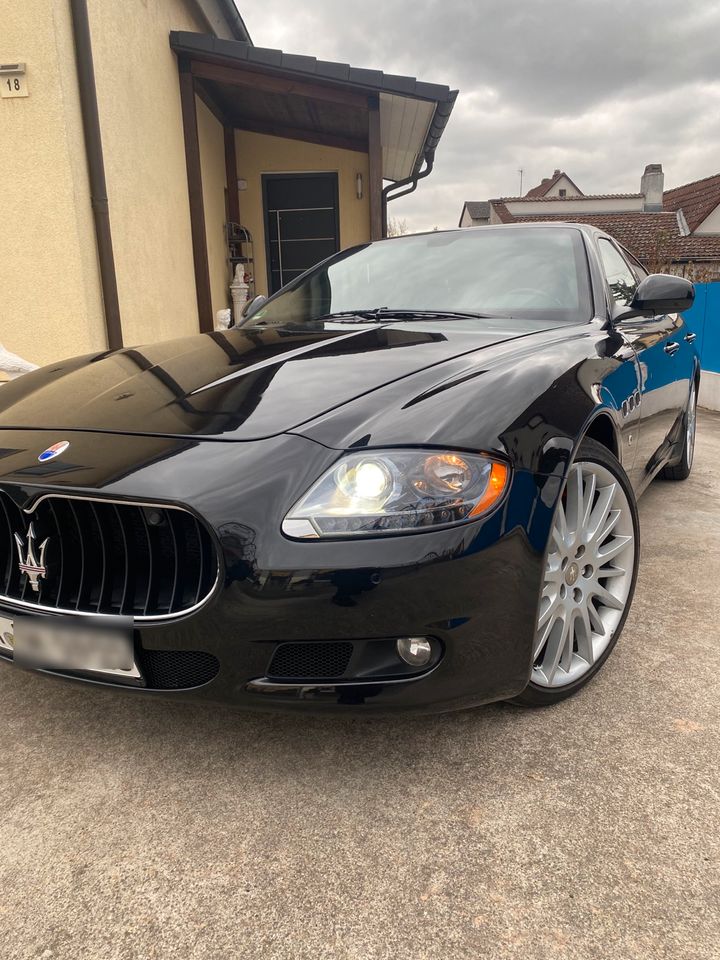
{"x":531,"y":404}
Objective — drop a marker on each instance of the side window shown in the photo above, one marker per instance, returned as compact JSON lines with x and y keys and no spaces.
{"x":620,"y":278}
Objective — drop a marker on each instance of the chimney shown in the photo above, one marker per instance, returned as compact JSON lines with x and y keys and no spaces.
{"x":556,"y":173}
{"x":651,"y":187}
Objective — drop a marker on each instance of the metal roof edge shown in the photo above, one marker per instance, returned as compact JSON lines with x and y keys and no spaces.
{"x":370,"y":81}
{"x":235,"y":20}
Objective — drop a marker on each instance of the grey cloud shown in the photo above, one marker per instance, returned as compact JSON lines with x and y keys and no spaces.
{"x":598,"y":88}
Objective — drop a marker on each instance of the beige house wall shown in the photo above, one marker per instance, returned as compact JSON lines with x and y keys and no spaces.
{"x":142,"y":134}
{"x":259,"y":153}
{"x":50,"y":304}
{"x":711,"y":223}
{"x":574,"y":205}
{"x":563,"y":184}
{"x":212,"y":165}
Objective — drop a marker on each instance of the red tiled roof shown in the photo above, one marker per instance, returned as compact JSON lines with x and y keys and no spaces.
{"x":588,"y":196}
{"x":696,"y":200}
{"x":649,"y":236}
{"x":503,"y":214}
{"x":542,"y":188}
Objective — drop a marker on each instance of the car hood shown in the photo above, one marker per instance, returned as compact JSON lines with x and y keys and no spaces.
{"x":239,"y":384}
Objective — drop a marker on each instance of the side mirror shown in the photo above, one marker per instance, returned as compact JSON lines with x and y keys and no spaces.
{"x":658,"y":294}
{"x":252,"y":306}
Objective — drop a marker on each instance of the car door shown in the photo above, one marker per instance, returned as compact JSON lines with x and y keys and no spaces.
{"x":657,"y":342}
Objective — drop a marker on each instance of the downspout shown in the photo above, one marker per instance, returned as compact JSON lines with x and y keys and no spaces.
{"x":437,"y":125}
{"x":412,"y":181}
{"x":96,"y":171}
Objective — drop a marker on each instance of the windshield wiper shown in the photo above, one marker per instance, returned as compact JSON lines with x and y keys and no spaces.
{"x":388,"y":313}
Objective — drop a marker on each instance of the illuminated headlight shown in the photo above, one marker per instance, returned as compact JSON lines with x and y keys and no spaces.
{"x":397,"y":491}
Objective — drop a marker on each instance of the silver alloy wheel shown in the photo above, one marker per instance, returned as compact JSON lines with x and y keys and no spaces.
{"x":690,"y":427}
{"x":588,"y":576}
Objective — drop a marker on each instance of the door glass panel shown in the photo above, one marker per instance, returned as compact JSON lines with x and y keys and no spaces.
{"x":620,"y":277}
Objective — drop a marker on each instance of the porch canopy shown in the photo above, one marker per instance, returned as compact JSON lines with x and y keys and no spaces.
{"x":396,"y":121}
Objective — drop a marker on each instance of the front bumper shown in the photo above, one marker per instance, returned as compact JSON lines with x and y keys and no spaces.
{"x":474,"y":587}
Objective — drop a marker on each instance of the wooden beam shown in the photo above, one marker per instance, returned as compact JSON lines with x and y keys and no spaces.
{"x":244,"y":77}
{"x":273,"y":129}
{"x":197,"y":208}
{"x":375,"y":169}
{"x":231,"y":177}
{"x":211,"y":103}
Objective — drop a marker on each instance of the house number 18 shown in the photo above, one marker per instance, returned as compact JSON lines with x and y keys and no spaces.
{"x":14,"y":86}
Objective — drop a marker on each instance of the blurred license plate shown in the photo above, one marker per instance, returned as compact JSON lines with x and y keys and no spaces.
{"x":68,"y":643}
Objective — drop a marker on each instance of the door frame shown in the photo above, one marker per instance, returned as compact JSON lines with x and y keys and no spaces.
{"x":267,"y":178}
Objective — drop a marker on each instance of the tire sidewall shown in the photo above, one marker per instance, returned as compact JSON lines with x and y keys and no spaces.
{"x":592,"y":452}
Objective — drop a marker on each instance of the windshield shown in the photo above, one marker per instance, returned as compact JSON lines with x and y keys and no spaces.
{"x":532,"y":273}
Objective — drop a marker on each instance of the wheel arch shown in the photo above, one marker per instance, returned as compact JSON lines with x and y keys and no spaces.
{"x":602,"y":428}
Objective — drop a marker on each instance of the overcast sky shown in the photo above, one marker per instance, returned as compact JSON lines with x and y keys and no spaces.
{"x":598,"y":89}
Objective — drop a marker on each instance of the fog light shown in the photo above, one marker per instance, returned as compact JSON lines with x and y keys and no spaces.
{"x":414,"y":650}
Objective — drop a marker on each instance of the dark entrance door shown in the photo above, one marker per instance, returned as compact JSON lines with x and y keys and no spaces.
{"x":301,"y":223}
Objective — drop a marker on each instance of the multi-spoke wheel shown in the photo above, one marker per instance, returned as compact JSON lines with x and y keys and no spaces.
{"x":589,"y":576}
{"x":681,"y":469}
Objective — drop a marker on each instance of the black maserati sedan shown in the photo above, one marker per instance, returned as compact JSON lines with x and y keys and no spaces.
{"x":407,"y":481}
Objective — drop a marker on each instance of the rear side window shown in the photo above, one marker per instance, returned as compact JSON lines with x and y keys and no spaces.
{"x":620,"y":278}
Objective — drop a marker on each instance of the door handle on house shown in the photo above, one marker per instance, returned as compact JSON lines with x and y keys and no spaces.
{"x":690,"y":337}
{"x":671,"y":347}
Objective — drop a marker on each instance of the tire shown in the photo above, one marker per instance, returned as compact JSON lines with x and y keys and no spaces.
{"x":589,"y":574}
{"x":681,"y":470}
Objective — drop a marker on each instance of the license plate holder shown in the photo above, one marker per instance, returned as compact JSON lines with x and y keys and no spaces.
{"x":100,"y":646}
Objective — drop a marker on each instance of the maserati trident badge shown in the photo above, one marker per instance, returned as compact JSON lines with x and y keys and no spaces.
{"x":29,"y":563}
{"x":54,"y":451}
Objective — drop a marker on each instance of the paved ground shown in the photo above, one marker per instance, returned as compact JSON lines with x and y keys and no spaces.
{"x":590,"y":830}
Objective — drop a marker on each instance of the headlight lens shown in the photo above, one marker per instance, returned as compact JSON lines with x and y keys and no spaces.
{"x":397,"y":491}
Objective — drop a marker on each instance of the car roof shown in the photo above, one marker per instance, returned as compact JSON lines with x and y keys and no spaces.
{"x":586,"y":228}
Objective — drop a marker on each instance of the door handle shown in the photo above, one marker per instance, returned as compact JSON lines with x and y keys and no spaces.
{"x":690,"y":337}
{"x":671,"y":347}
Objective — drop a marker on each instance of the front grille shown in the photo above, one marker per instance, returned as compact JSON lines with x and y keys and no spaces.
{"x":121,"y":559}
{"x":177,"y":669}
{"x":320,"y":660}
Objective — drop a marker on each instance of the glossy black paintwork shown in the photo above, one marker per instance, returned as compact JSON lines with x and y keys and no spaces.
{"x":663,"y":293}
{"x":236,"y":427}
{"x":240,"y":384}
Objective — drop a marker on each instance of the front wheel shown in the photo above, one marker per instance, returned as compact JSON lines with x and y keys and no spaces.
{"x":589,"y":578}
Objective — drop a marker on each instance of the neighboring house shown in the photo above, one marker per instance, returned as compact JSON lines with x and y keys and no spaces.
{"x":674,"y":230}
{"x":475,"y":213}
{"x":157,"y":149}
{"x":558,"y":185}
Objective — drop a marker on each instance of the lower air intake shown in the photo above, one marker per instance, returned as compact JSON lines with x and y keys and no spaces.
{"x":177,"y":669}
{"x":321,"y":660}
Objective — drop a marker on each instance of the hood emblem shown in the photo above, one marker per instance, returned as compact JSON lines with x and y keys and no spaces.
{"x":54,"y":451}
{"x":29,"y":563}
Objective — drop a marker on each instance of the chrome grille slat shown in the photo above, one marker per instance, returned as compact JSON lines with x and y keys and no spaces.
{"x":10,"y":540}
{"x":147,"y":561}
{"x":176,"y":571}
{"x":61,"y":549}
{"x":200,"y":556}
{"x":126,"y":564}
{"x":148,"y":540}
{"x":103,"y":555}
{"x":81,"y":545}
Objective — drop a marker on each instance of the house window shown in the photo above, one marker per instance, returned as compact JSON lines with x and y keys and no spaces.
{"x":562,"y":192}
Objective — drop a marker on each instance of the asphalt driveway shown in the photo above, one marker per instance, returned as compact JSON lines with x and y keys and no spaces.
{"x":590,"y":830}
